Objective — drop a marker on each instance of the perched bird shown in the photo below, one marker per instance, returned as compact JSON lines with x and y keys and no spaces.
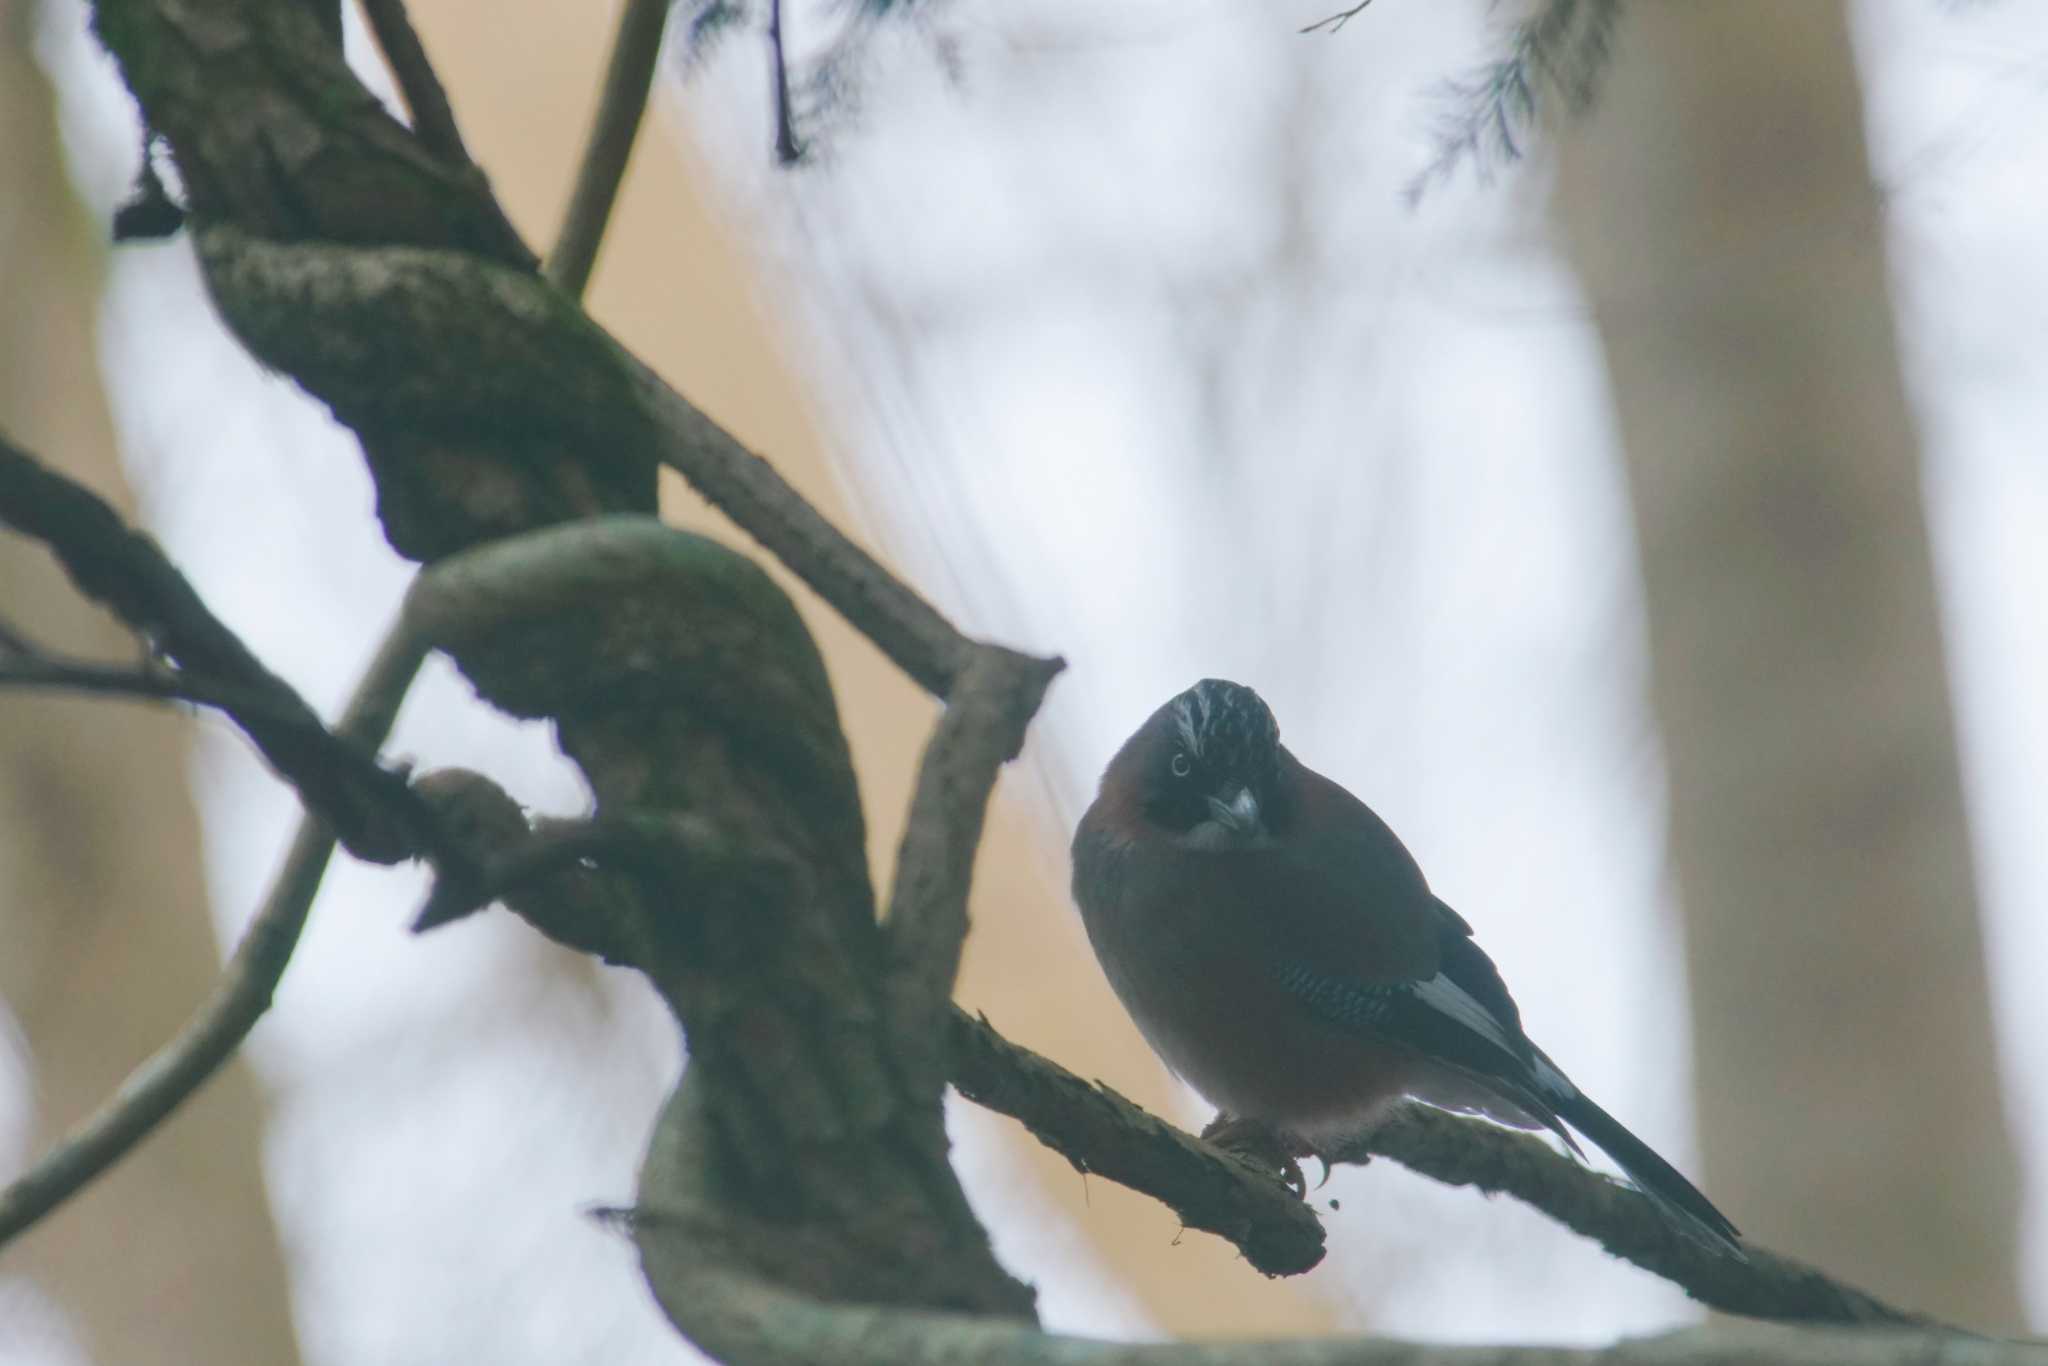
{"x":1281,"y":951}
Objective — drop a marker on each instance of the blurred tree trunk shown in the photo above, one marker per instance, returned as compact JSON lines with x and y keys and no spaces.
{"x":679,"y":286}
{"x":1721,"y":212}
{"x":107,"y":939}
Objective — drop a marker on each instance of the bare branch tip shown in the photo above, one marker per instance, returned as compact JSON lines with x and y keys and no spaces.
{"x":1335,"y":23}
{"x":629,"y":77}
{"x":433,"y":119}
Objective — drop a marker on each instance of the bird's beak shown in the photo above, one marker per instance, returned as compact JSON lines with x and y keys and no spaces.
{"x":1239,"y":814}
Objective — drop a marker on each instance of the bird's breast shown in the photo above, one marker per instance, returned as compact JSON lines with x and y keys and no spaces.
{"x":1204,"y":990}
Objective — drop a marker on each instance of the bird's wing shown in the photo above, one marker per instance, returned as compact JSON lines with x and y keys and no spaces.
{"x":1368,"y":949}
{"x":1439,"y":1019}
{"x":1348,"y":904}
{"x":1447,"y":1004}
{"x":1459,"y":1017}
{"x":1465,"y":968}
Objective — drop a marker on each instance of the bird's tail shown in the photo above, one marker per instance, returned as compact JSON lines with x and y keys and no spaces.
{"x":1680,"y":1201}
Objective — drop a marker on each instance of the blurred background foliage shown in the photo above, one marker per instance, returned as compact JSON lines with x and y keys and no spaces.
{"x":1650,"y":529}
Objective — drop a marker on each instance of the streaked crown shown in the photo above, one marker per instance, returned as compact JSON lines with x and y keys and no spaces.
{"x":1226,"y":726}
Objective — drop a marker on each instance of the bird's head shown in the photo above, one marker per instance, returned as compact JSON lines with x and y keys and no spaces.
{"x":1207,"y":769}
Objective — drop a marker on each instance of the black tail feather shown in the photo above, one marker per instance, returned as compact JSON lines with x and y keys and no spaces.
{"x":1677,"y":1197}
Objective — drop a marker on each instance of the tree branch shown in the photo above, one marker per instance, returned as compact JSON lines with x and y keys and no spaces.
{"x":272,"y":130}
{"x":682,"y":681}
{"x":241,"y":997}
{"x":1335,"y":23}
{"x":126,"y":572}
{"x":579,"y":882}
{"x":432,"y":120}
{"x":741,"y":1315}
{"x":34,"y":669}
{"x":23,"y":665}
{"x":1470,"y":1152}
{"x":788,"y":150}
{"x":552,"y":373}
{"x":915,"y":636}
{"x":635,"y":49}
{"x":992,"y":703}
{"x":156,"y":1088}
{"x":477,"y":598}
{"x":1100,"y":1132}
{"x":534,"y":858}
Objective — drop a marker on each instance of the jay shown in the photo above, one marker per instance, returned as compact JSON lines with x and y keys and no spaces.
{"x":1282,"y":953}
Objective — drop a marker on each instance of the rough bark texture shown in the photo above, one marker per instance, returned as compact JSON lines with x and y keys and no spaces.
{"x":105,"y":937}
{"x":490,"y":406}
{"x":315,"y":157}
{"x":1721,"y":212}
{"x":684,"y":685}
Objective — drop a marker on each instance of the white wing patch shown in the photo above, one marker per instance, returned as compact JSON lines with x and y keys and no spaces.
{"x":1441,"y":994}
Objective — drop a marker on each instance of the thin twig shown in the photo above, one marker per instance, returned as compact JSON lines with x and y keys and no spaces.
{"x":787,"y":150}
{"x":1335,"y":22}
{"x":32,"y":669}
{"x":432,"y":118}
{"x":915,"y":636}
{"x":635,"y":48}
{"x":180,"y":1067}
{"x":238,"y":1000}
{"x":619,"y":409}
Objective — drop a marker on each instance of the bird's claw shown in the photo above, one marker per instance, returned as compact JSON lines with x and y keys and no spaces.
{"x":1266,"y":1148}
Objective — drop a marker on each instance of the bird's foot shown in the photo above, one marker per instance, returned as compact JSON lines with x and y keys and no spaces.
{"x":1265,"y":1147}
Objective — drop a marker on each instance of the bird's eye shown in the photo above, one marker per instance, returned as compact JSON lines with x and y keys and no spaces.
{"x":1181,"y":765}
